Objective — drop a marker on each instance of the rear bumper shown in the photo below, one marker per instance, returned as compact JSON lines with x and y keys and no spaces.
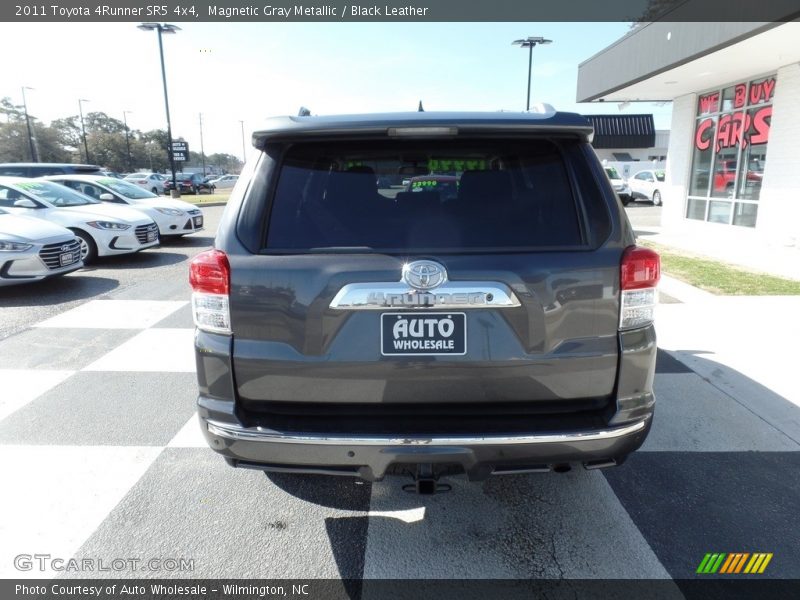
{"x":371,"y":456}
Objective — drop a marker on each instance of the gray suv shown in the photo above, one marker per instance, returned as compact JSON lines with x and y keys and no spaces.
{"x":354,"y":329}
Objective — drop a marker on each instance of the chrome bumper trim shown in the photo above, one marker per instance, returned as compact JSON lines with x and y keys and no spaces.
{"x":257,"y":434}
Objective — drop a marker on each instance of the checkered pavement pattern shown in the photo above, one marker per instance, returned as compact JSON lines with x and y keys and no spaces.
{"x":102,"y":457}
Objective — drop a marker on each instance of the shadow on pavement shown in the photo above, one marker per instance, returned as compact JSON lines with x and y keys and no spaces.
{"x":140,"y":260}
{"x":59,"y":290}
{"x":189,"y":241}
{"x":343,"y":493}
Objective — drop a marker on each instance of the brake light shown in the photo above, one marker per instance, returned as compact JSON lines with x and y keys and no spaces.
{"x":639,"y":273}
{"x":142,"y":181}
{"x":209,"y":276}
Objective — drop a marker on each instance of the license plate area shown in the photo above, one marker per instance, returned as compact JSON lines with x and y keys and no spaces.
{"x":68,"y":258}
{"x":423,"y":334}
{"x":198,"y":221}
{"x":152,"y":236}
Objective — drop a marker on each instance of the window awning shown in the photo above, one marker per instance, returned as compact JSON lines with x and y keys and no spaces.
{"x":623,"y":131}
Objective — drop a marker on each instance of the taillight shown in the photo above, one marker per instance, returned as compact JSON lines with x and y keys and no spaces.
{"x":209,"y":276}
{"x":639,"y":273}
{"x":142,"y":181}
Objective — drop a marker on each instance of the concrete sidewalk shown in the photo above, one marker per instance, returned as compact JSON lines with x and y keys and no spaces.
{"x":745,"y":346}
{"x":737,"y":246}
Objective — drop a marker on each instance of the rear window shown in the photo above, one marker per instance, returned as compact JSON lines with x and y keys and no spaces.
{"x":398,"y":196}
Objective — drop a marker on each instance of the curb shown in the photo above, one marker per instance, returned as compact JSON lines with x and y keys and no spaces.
{"x":683,"y":291}
{"x":208,"y":204}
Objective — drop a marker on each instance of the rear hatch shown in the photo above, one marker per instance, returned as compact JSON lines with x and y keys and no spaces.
{"x":366,"y":307}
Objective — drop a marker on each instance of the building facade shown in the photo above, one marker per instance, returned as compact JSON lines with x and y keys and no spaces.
{"x":733,"y":159}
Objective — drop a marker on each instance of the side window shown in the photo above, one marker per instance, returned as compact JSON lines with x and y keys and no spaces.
{"x":9,"y":196}
{"x":90,"y":190}
{"x":13,"y":171}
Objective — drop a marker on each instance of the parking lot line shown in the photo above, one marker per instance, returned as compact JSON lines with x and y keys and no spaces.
{"x":162,"y":350}
{"x":115,"y":314}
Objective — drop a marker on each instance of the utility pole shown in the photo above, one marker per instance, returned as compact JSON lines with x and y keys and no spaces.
{"x":34,"y":153}
{"x":202,"y":151}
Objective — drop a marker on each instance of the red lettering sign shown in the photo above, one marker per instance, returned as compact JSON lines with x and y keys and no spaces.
{"x":701,"y":141}
{"x":731,"y":130}
{"x":739,"y":95}
{"x":709,"y":103}
{"x":762,"y":92}
{"x":762,"y":121}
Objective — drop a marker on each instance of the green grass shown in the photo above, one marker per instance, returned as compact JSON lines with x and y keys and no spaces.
{"x":719,"y":278}
{"x":205,"y":198}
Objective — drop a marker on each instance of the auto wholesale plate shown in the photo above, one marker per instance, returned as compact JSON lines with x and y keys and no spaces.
{"x":423,"y":334}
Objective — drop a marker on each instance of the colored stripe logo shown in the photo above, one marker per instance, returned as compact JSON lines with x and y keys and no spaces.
{"x":734,"y":563}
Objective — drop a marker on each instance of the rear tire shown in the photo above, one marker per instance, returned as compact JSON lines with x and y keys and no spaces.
{"x":88,"y":247}
{"x":195,"y":190}
{"x":656,"y":198}
{"x":155,"y":191}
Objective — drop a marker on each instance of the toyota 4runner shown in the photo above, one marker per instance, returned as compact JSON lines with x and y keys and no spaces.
{"x":350,"y":329}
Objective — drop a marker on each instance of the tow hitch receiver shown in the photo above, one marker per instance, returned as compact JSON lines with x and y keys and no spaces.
{"x":426,"y":481}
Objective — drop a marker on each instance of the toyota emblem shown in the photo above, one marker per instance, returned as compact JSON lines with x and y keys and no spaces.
{"x":424,"y":274}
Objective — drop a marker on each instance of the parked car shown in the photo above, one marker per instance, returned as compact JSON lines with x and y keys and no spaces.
{"x":188,"y":183}
{"x":33,"y":249}
{"x":173,"y":217}
{"x":509,"y":330}
{"x":113,"y":174}
{"x":41,"y":169}
{"x":102,"y":229}
{"x":153,"y":182}
{"x":725,"y":177}
{"x":225,"y":181}
{"x":647,"y":185}
{"x":619,"y":184}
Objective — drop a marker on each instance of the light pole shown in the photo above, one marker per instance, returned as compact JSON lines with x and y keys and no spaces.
{"x":125,"y":114}
{"x":202,"y":151}
{"x":34,"y":154}
{"x":530,"y":43}
{"x":244,"y":154}
{"x":161,"y":29}
{"x":83,"y":129}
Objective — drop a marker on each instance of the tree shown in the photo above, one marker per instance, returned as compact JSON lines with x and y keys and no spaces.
{"x":227,"y":162}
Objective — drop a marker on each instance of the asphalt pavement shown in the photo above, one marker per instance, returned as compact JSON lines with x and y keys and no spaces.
{"x":99,"y":438}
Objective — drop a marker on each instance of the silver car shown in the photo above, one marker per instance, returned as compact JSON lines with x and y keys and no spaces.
{"x":32,"y":249}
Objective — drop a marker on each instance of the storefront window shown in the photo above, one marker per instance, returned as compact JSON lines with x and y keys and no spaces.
{"x":730,"y":151}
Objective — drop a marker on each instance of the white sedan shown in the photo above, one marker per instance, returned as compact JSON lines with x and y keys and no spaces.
{"x":152,"y":182}
{"x":224,"y":181}
{"x":173,"y":217}
{"x":102,"y":229}
{"x":647,"y":185}
{"x":33,"y":249}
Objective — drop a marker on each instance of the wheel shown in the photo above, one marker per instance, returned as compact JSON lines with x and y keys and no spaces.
{"x":212,"y":189}
{"x":155,"y":191}
{"x":656,"y":198}
{"x":195,"y":190}
{"x":88,"y":247}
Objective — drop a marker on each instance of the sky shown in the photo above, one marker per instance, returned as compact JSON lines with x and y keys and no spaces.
{"x":232,"y":72}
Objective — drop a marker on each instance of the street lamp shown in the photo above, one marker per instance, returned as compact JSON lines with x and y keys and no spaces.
{"x":34,"y":154}
{"x":83,"y":129}
{"x":161,"y":29}
{"x":125,"y":114}
{"x":244,"y":154}
{"x":530,"y":43}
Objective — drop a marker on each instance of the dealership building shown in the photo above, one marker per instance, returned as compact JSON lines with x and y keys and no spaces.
{"x":733,"y":160}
